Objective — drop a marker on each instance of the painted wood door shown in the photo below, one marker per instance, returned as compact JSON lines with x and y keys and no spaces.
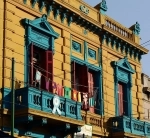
{"x":49,"y":68}
{"x":90,"y":83}
{"x":120,"y":99}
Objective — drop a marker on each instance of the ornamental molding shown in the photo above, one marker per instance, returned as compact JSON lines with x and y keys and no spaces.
{"x":66,"y":13}
{"x":84,"y":9}
{"x":76,"y":46}
{"x":92,"y":53}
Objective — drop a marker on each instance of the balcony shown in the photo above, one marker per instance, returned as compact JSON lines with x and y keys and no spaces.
{"x":130,"y":125}
{"x":32,"y":98}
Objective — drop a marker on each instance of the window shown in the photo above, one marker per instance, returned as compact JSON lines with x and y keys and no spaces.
{"x":86,"y":81}
{"x":122,"y":99}
{"x":123,"y":86}
{"x":146,"y":103}
{"x":41,"y":61}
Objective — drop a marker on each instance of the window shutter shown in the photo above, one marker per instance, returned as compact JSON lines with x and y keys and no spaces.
{"x":120,"y":99}
{"x":90,"y":83}
{"x":73,"y":75}
{"x":31,"y":65}
{"x":84,"y":79}
{"x":49,"y":68}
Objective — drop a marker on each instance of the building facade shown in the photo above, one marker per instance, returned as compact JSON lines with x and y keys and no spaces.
{"x":146,"y":96}
{"x":77,"y":71}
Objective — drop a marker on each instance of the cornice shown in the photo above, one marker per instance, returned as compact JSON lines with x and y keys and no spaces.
{"x":126,"y":40}
{"x":97,"y":23}
{"x":75,"y":15}
{"x":53,"y":21}
{"x":120,"y":55}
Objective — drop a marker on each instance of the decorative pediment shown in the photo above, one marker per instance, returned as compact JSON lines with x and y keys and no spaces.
{"x":124,"y":64}
{"x":42,"y":24}
{"x":40,"y":32}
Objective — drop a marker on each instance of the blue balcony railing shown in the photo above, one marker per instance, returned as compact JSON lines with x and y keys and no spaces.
{"x":130,"y":125}
{"x":33,"y":98}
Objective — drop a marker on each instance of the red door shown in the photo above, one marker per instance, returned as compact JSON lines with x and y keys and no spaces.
{"x":90,"y":84}
{"x":120,"y":98}
{"x":49,"y":69}
{"x":90,"y":91}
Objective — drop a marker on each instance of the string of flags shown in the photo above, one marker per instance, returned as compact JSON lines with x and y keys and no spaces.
{"x":88,"y":100}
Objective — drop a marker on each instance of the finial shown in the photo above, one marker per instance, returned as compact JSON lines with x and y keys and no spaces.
{"x":136,"y":28}
{"x":103,"y":7}
{"x":44,"y":16}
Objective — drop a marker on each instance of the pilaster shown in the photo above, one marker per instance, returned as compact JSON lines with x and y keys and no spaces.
{"x":67,"y":43}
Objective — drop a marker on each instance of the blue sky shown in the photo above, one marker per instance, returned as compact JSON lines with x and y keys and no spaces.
{"x":127,"y":12}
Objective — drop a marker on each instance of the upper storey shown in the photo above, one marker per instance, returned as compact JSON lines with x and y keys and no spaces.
{"x":93,"y":19}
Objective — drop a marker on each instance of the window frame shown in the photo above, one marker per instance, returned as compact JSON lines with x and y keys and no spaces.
{"x":123,"y":73}
{"x":34,"y":29}
{"x":99,"y":71}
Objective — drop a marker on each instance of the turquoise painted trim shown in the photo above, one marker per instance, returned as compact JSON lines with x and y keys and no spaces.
{"x":63,"y":16}
{"x":103,"y":7}
{"x":70,"y":45}
{"x":100,"y":57}
{"x":130,"y":95}
{"x":76,"y":46}
{"x":6,"y":97}
{"x":44,"y":27}
{"x":101,"y":95}
{"x":39,"y":32}
{"x":95,"y":68}
{"x":42,"y":4}
{"x":85,"y":51}
{"x":33,"y":98}
{"x":92,"y":53}
{"x":122,"y":73}
{"x":50,"y":8}
{"x":25,"y":64}
{"x":116,"y":91}
{"x":25,"y":1}
{"x":33,"y":3}
{"x":130,"y":125}
{"x":82,"y":62}
{"x":84,"y":9}
{"x":85,"y":32}
{"x":136,"y":29}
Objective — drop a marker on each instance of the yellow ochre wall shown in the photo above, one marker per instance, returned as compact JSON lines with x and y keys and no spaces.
{"x":108,"y":82}
{"x":14,"y":44}
{"x":14,"y":47}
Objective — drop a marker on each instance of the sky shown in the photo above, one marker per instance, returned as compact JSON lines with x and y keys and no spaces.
{"x":128,"y":12}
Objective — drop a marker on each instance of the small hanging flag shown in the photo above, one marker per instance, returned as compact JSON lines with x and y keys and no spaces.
{"x":67,"y":92}
{"x":74,"y":95}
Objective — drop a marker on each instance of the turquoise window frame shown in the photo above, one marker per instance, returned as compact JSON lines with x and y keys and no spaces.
{"x":123,"y":73}
{"x":95,"y":68}
{"x":76,"y":46}
{"x":41,"y":34}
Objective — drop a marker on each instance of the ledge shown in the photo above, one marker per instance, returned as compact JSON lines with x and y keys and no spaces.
{"x":33,"y":101}
{"x":124,"y":124}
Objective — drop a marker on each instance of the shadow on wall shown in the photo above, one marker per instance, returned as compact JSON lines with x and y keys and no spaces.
{"x":0,"y":98}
